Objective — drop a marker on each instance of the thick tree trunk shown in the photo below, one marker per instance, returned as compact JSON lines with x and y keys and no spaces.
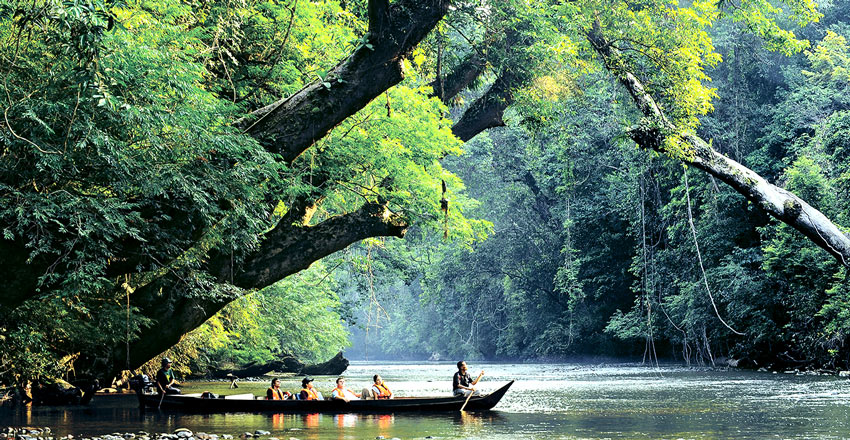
{"x":782,"y":204}
{"x":291,"y":125}
{"x":288,"y":364}
{"x":331,"y":367}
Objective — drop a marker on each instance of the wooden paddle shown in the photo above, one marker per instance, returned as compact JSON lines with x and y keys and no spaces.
{"x":467,"y":400}
{"x":472,"y":392}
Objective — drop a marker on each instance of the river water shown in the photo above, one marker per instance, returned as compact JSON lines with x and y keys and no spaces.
{"x":548,"y":401}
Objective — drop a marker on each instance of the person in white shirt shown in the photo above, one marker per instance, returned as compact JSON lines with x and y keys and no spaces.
{"x":342,"y":393}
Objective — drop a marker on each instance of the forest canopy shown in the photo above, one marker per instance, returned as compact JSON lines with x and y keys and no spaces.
{"x":173,"y":170}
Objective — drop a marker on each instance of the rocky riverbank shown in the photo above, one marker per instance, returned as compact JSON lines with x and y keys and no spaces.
{"x":31,"y":433}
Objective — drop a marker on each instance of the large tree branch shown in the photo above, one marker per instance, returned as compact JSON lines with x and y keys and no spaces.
{"x":488,"y":110}
{"x":290,"y":125}
{"x":286,"y":250}
{"x":379,"y":17}
{"x":460,"y":78}
{"x":780,"y":203}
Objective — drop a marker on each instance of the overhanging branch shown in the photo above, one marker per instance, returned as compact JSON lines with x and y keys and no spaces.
{"x":780,"y":203}
{"x":291,"y":125}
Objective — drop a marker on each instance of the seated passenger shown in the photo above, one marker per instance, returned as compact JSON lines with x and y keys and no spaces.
{"x":378,"y":390}
{"x":308,"y":392}
{"x":275,"y":393}
{"x":342,"y":393}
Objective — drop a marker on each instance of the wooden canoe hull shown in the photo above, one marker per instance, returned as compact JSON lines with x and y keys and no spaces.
{"x":404,"y":404}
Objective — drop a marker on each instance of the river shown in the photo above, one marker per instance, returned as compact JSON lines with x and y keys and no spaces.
{"x":548,"y":401}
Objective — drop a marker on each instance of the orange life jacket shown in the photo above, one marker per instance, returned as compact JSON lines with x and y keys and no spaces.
{"x":339,"y":393}
{"x":277,"y":394}
{"x":311,"y":393}
{"x":383,"y":391}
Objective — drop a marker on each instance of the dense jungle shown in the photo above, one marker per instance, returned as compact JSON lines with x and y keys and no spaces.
{"x":232,"y":181}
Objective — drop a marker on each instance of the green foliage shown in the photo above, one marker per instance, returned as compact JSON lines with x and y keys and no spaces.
{"x":119,"y":167}
{"x":299,"y":316}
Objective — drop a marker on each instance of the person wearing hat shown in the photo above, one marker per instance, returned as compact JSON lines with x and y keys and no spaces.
{"x":308,"y":392}
{"x":165,"y":379}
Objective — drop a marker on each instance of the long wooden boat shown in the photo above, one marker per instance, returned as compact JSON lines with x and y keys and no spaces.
{"x":250,"y":403}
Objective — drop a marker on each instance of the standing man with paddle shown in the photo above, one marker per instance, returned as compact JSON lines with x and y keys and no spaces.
{"x":462,"y":383}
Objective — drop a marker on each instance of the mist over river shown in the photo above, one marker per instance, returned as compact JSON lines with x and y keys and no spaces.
{"x":548,"y":401}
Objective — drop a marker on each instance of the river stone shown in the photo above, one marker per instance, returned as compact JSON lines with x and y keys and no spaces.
{"x":246,"y":435}
{"x":202,"y":436}
{"x":226,"y":437}
{"x":184,"y":434}
{"x":260,"y":432}
{"x":844,"y":373}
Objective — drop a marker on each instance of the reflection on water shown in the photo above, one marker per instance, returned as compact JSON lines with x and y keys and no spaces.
{"x":548,"y":401}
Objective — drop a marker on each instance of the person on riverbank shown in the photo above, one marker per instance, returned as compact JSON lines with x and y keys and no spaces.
{"x":342,"y":393}
{"x":275,"y":393}
{"x":308,"y":391}
{"x":378,"y":390}
{"x":462,"y":383}
{"x":165,"y":380}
